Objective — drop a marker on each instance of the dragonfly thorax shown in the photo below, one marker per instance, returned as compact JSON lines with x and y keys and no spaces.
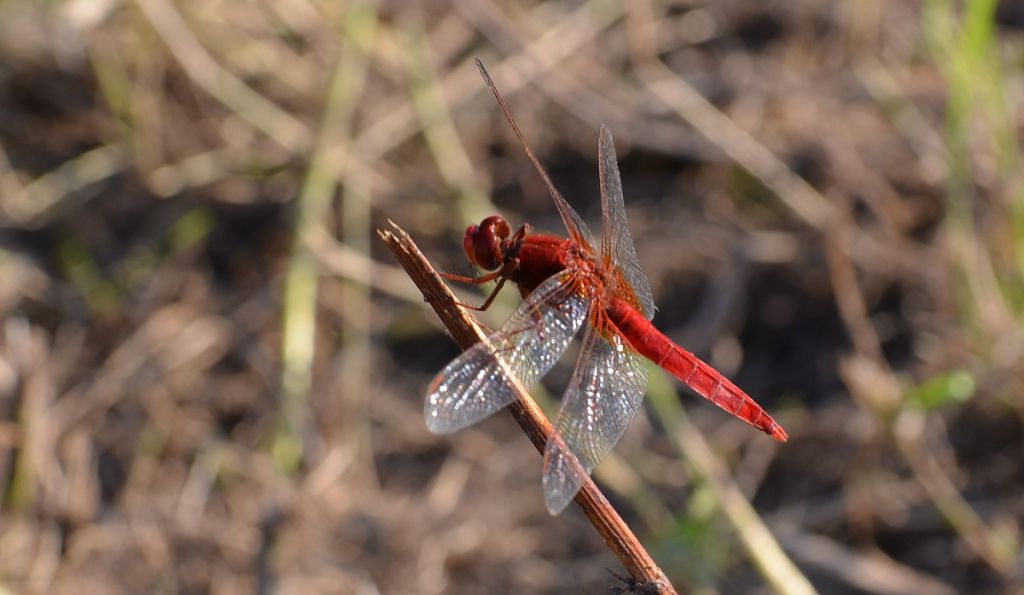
{"x":586,"y":269}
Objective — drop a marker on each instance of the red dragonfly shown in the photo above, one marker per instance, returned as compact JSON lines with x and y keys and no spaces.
{"x":566,"y":282}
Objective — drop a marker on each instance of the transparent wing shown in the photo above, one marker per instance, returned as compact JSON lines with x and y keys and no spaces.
{"x":616,"y":242}
{"x":574,"y":224}
{"x":476,"y":384}
{"x":603,"y":396}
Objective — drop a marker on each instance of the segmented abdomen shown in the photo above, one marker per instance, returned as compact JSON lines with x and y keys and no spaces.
{"x":701,"y":377}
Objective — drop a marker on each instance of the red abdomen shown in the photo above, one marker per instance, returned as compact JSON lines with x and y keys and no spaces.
{"x":702,"y":378}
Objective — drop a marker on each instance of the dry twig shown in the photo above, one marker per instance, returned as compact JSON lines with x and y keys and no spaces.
{"x":466,"y":332}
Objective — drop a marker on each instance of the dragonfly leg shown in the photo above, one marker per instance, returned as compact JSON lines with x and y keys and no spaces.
{"x":472,"y":280}
{"x":490,"y":298}
{"x":477,"y":281}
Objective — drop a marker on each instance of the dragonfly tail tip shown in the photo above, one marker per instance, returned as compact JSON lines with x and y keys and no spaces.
{"x":778,"y":433}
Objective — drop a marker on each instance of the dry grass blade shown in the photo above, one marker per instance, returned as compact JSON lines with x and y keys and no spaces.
{"x":616,"y":534}
{"x":871,"y":572}
{"x":761,"y":545}
{"x":29,"y":205}
{"x":276,"y":123}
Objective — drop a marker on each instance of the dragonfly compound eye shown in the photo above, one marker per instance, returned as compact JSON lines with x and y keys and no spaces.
{"x":469,"y":243}
{"x":483,"y":243}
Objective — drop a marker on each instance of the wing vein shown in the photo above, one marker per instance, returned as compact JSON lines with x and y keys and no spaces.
{"x":478,"y":382}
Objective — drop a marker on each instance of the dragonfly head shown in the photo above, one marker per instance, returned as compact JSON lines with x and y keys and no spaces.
{"x":484,"y":243}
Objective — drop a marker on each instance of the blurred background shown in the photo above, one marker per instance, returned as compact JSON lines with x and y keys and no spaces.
{"x":212,"y":371}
